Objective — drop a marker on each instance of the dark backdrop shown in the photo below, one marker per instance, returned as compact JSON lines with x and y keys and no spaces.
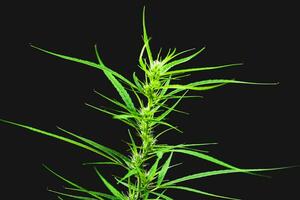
{"x":255,"y":126}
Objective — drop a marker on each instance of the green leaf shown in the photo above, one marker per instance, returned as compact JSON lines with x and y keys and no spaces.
{"x":181,"y":71}
{"x":163,"y":132}
{"x":108,"y":196}
{"x":127,"y":121}
{"x":171,"y":55}
{"x":226,"y":81}
{"x":111,"y":188}
{"x":168,"y":66}
{"x":121,"y":90}
{"x":138,"y":98}
{"x":112,"y":100}
{"x":123,"y":183}
{"x":146,"y":39}
{"x":123,"y":116}
{"x":154,"y":167}
{"x":60,"y":198}
{"x":100,"y":163}
{"x":161,"y":195}
{"x":166,"y":84}
{"x":89,"y":63}
{"x":100,"y":109}
{"x":212,"y":83}
{"x":185,"y":97}
{"x":166,"y":124}
{"x":191,"y":87}
{"x":205,"y":157}
{"x":162,"y":146}
{"x":168,"y":111}
{"x":171,"y":183}
{"x":170,"y":148}
{"x":129,"y":174}
{"x":72,"y":183}
{"x":59,"y":138}
{"x":137,"y":82}
{"x":71,"y":196}
{"x":213,"y":173}
{"x":162,"y":173}
{"x":132,"y":144}
{"x":142,"y":63}
{"x":200,"y":192}
{"x":111,"y":152}
{"x":98,"y":56}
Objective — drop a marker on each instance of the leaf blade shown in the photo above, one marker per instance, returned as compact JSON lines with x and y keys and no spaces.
{"x":162,"y":173}
{"x":88,"y":63}
{"x":111,"y":188}
{"x":72,"y":183}
{"x":189,"y":189}
{"x":118,"y":86}
{"x":146,"y":39}
{"x":170,"y":65}
{"x":57,"y":137}
{"x":201,"y":69}
{"x":96,"y":145}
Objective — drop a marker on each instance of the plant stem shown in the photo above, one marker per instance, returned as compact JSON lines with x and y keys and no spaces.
{"x":145,"y":131}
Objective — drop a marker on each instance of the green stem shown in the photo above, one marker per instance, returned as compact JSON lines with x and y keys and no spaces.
{"x":148,"y":141}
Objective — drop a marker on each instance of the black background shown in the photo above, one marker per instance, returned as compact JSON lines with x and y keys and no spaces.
{"x":255,"y":126}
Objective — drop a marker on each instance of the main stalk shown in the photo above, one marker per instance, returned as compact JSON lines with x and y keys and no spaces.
{"x":145,"y":130}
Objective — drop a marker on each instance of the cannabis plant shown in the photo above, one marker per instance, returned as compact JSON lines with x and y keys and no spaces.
{"x":144,"y":105}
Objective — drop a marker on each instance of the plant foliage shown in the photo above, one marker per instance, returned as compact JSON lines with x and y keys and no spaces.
{"x":145,"y":103}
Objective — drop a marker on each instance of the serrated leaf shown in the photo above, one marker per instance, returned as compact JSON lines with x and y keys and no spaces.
{"x":226,"y":81}
{"x":138,"y":98}
{"x":170,"y":65}
{"x":214,"y":173}
{"x":205,"y":157}
{"x":190,"y":87}
{"x":118,"y":86}
{"x":100,"y":109}
{"x":189,"y":189}
{"x":162,"y":173}
{"x":162,"y":132}
{"x":142,"y":63}
{"x":72,"y":183}
{"x":133,"y":144}
{"x":166,"y":124}
{"x":121,"y":90}
{"x":109,"y":186}
{"x":71,"y":195}
{"x":111,"y":113}
{"x":146,"y":39}
{"x":100,"y":163}
{"x":85,"y":62}
{"x":168,"y":111}
{"x":112,"y":100}
{"x":111,"y":152}
{"x":98,"y":56}
{"x":181,"y":71}
{"x":185,"y":97}
{"x":108,"y":196}
{"x":123,"y":183}
{"x":128,"y":174}
{"x":166,"y":84}
{"x":42,"y":132}
{"x":161,"y":195}
{"x":153,"y":169}
{"x":137,"y":82}
{"x":123,"y":116}
{"x":212,"y":83}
